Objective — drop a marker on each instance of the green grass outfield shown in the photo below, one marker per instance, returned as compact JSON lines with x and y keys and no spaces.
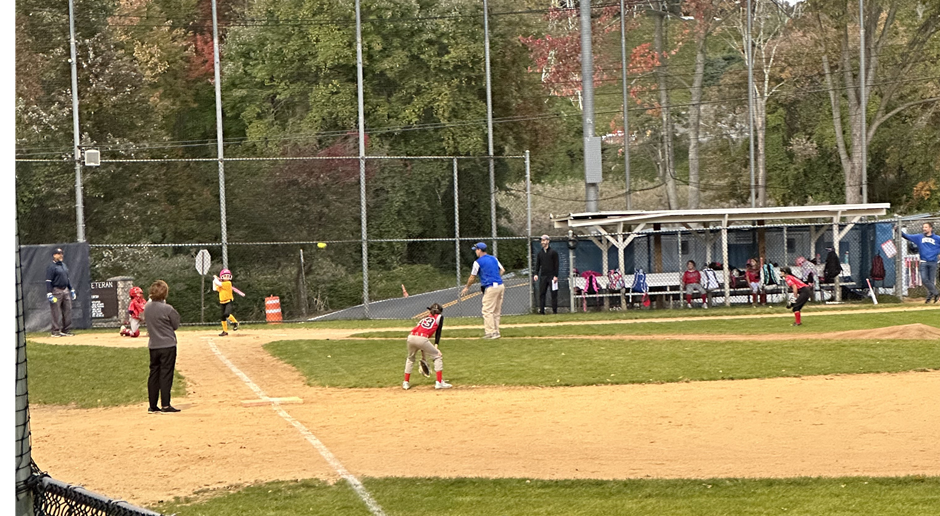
{"x":904,"y":496}
{"x":377,"y":359}
{"x":779,"y":323}
{"x":90,"y":376}
{"x":580,"y":361}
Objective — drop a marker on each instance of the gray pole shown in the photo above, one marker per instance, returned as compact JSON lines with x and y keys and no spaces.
{"x":76,"y":135}
{"x":750,"y":101}
{"x":457,"y":224}
{"x":489,"y":122}
{"x":528,"y":234}
{"x":864,"y":100}
{"x":362,"y":165}
{"x":218,"y":134}
{"x":626,"y":122}
{"x":587,"y":93}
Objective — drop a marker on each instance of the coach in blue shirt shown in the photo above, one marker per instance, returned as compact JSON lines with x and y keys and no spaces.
{"x":490,"y":272}
{"x":928,"y":245}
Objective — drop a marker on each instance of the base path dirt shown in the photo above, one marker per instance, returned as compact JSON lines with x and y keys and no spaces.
{"x":880,"y":425}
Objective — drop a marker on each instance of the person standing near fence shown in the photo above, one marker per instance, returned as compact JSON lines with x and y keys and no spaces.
{"x":546,"y":268}
{"x":60,"y":294}
{"x":162,"y":322}
{"x":928,"y":245}
{"x":490,"y":271}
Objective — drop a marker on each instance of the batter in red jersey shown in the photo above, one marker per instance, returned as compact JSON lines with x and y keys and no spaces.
{"x":420,"y":340}
{"x":801,"y":294}
{"x":692,"y":281}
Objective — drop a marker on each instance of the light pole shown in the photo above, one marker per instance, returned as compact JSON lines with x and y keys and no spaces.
{"x":219,"y":136}
{"x":863,"y":109}
{"x":76,"y":135}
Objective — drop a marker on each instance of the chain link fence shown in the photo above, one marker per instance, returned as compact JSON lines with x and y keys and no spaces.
{"x":293,"y":232}
{"x":292,"y":229}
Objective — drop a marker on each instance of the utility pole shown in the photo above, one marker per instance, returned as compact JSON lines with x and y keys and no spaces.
{"x":76,"y":135}
{"x":592,"y":156}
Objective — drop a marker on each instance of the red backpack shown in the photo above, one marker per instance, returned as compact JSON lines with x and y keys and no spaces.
{"x":877,"y":268}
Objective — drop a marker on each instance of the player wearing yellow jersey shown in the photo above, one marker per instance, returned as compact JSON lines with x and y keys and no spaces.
{"x":223,"y":284}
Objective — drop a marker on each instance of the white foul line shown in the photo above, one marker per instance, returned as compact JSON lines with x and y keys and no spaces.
{"x":312,"y":439}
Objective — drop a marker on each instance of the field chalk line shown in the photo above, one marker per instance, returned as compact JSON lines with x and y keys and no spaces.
{"x":312,"y":439}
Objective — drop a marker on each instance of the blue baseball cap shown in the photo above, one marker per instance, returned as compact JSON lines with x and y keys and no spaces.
{"x":480,"y":245}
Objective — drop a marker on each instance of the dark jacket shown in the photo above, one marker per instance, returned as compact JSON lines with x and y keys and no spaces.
{"x":833,"y":267}
{"x":57,"y":276}
{"x":162,"y":323}
{"x":546,"y":263}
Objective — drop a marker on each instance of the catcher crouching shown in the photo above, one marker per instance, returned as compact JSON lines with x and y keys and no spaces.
{"x":420,"y":340}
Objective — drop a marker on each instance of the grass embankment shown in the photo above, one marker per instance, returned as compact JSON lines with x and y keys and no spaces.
{"x":90,"y":376}
{"x":905,"y":496}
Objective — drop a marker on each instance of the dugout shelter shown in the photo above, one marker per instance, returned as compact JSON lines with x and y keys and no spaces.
{"x":618,"y":229}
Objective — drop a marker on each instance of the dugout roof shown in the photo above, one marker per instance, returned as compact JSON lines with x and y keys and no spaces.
{"x":607,"y":228}
{"x":722,"y":217}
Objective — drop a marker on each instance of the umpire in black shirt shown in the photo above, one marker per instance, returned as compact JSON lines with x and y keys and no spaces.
{"x":546,"y":268}
{"x":60,"y":294}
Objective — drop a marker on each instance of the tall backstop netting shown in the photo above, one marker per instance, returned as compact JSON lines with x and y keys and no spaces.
{"x":36,"y":492}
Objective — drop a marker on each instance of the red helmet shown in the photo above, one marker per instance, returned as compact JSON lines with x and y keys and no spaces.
{"x":225,"y":272}
{"x":136,"y":292}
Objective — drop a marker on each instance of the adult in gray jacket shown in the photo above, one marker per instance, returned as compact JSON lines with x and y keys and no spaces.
{"x":162,"y":323}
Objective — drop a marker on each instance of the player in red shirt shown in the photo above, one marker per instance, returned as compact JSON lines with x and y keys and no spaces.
{"x":801,"y":294}
{"x":752,"y":273}
{"x":420,"y":340}
{"x":691,"y":281}
{"x":134,"y":312}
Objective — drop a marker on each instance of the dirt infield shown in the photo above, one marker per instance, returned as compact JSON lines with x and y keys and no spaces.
{"x":883,"y":425}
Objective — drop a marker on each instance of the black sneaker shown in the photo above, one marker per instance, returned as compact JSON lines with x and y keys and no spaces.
{"x":66,"y":334}
{"x":223,"y":334}
{"x":169,"y":409}
{"x":234,"y":326}
{"x":55,"y":334}
{"x":153,"y":410}
{"x":797,"y":324}
{"x":926,"y":301}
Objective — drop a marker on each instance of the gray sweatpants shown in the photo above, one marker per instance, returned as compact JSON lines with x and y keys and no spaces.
{"x":417,"y":343}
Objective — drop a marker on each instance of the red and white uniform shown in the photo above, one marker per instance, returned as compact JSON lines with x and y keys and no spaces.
{"x":430,"y":325}
{"x":419,"y":340}
{"x":691,"y":277}
{"x":135,"y":312}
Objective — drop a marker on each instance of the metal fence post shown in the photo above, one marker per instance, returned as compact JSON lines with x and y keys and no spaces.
{"x":528,"y":216}
{"x":457,"y":225}
{"x":725,"y":272}
{"x":900,"y":288}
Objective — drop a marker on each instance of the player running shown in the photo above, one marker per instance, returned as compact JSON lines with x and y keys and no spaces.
{"x":420,"y":340}
{"x":223,"y":284}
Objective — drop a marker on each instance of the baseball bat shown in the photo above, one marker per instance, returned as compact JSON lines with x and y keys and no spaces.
{"x":871,"y":291}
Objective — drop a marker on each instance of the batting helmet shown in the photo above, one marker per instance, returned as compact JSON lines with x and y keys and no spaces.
{"x":436,"y":308}
{"x":225,"y":272}
{"x":136,"y":292}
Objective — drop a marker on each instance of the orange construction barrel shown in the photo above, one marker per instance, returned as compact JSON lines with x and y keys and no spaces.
{"x":272,"y":309}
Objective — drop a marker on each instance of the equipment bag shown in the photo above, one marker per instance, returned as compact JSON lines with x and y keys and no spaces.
{"x":639,"y":282}
{"x":877,"y":268}
{"x":770,"y":275}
